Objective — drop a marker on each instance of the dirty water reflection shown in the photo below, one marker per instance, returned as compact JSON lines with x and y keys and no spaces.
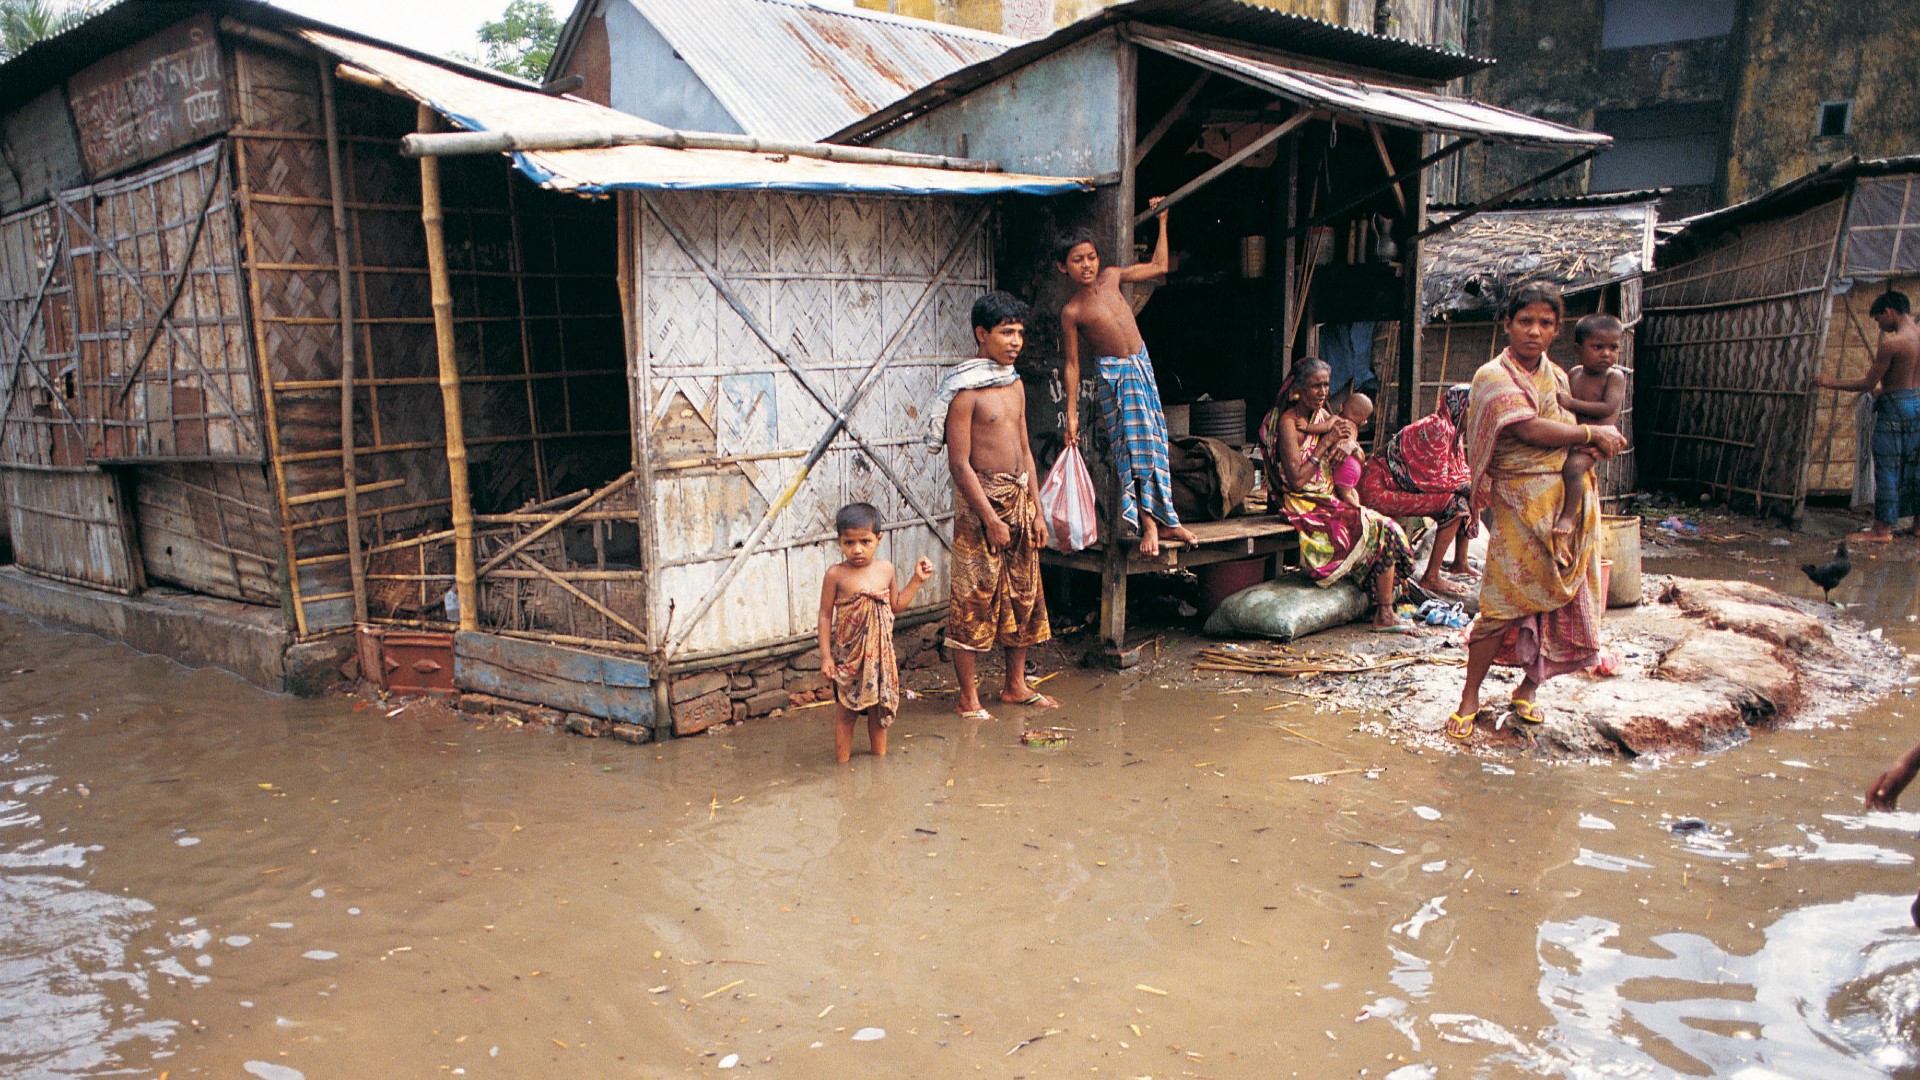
{"x":202,"y":880}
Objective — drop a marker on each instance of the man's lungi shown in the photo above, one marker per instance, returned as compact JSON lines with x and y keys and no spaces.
{"x":1137,"y":424}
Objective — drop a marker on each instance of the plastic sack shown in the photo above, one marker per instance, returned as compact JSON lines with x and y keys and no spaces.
{"x":1287,"y":609}
{"x":1066,"y":498}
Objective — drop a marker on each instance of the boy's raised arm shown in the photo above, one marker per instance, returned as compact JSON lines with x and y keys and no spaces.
{"x":1161,"y":262}
{"x":903,"y":595}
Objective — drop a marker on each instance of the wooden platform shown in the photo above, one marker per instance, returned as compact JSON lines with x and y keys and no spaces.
{"x":1220,"y":541}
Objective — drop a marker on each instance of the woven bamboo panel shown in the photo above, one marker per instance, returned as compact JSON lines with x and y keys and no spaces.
{"x":38,"y":405}
{"x":537,"y":332}
{"x":210,"y":527}
{"x":830,"y":281}
{"x":166,"y":371}
{"x":1763,"y":260}
{"x":1852,"y":339}
{"x":69,"y":524}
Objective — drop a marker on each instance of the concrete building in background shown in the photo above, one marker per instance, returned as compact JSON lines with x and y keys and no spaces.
{"x":1718,"y":100}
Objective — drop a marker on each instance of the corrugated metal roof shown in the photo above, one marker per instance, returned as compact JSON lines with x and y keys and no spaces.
{"x":1790,"y":197}
{"x":1395,"y":105}
{"x":790,"y":70}
{"x":1235,"y":20}
{"x":483,"y":105}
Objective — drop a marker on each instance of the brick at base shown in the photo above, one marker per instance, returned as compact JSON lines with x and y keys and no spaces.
{"x":695,"y":715}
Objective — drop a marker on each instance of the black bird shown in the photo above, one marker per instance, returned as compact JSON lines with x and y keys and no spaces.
{"x":1832,"y":572}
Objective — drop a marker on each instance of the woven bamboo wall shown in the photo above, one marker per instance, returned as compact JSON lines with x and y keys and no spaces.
{"x":38,"y":410}
{"x":537,"y":327}
{"x":165,"y":369}
{"x":1728,"y":350}
{"x":1852,"y":339}
{"x":69,"y":524}
{"x":832,"y":283}
{"x":211,"y":527}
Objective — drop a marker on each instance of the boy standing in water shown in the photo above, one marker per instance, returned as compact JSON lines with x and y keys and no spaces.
{"x":998,"y":529}
{"x":1129,"y":397}
{"x":858,"y":600}
{"x":1597,"y":392}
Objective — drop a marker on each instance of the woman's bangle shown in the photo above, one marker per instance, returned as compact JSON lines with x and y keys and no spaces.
{"x":1586,"y":435}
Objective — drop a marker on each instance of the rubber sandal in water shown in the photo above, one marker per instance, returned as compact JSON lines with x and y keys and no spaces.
{"x":1036,"y":700}
{"x":976,"y":714}
{"x":1526,"y":712}
{"x":1459,"y":727}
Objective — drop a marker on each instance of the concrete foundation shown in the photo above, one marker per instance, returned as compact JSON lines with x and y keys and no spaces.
{"x":199,"y":631}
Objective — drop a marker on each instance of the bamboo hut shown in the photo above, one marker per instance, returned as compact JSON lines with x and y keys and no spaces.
{"x":1292,"y":155}
{"x":1751,"y":302}
{"x":1596,"y":248}
{"x":590,"y":408}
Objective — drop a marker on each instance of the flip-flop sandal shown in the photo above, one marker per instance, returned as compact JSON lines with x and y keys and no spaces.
{"x":1525,"y":711}
{"x":976,"y":714}
{"x":1459,"y":727}
{"x":1036,"y":700}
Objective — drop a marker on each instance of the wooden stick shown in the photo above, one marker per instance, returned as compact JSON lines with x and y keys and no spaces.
{"x":1324,"y":775}
{"x":349,"y":464}
{"x":465,"y":581}
{"x":606,"y":612}
{"x":1299,"y":735}
{"x":560,"y":519}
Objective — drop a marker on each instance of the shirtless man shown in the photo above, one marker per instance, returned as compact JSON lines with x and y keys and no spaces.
{"x":1129,"y":397}
{"x":998,"y":529}
{"x":1895,"y":384}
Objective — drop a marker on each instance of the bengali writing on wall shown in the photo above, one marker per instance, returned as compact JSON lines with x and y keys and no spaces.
{"x":167,"y":92}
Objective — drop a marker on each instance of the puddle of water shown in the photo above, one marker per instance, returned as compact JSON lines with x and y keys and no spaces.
{"x":528,"y":905}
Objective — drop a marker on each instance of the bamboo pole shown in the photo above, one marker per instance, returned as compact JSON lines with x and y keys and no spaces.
{"x":509,"y":141}
{"x":465,"y":582}
{"x":349,"y":356}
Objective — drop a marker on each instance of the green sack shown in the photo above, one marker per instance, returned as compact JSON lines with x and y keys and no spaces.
{"x":1286,"y":609}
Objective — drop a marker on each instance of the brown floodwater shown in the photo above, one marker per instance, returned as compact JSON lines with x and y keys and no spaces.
{"x":197,"y":878}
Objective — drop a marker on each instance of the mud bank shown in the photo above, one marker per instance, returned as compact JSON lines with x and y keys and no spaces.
{"x":1701,"y":664}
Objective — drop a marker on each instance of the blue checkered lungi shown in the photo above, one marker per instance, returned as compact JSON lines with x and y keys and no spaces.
{"x":1896,"y":455}
{"x":1130,"y":405}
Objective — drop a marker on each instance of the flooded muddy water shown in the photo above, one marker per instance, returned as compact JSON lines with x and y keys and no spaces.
{"x":200,"y":879}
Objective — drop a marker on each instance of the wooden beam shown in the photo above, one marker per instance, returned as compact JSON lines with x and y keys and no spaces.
{"x":452,"y":143}
{"x":1386,"y":161}
{"x":1507,"y":194}
{"x":1414,"y":169}
{"x":1184,"y":191}
{"x":349,"y":357}
{"x":465,"y":582}
{"x":1173,"y":116}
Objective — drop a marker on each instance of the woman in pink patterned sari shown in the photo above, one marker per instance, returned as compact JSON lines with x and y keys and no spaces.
{"x":1423,"y":473}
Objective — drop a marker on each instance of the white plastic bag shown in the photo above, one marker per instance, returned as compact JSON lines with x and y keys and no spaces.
{"x":1066,"y":498}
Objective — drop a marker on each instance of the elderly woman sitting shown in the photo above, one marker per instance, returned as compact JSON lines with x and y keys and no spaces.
{"x":1336,"y":538}
{"x":1423,"y":473}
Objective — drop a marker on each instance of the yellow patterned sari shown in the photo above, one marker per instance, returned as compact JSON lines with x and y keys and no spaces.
{"x":1541,"y":592}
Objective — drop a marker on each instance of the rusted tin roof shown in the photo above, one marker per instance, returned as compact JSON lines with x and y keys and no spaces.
{"x":1399,"y":106}
{"x":788,"y":69}
{"x":477,"y":104}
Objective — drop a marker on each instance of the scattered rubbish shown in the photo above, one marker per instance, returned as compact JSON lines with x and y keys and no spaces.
{"x":1688,"y":825}
{"x":1618,"y":864}
{"x":1429,"y":911}
{"x":869,"y":1035}
{"x":1043,"y":737}
{"x":1427,"y":813}
{"x":1495,"y":768}
{"x":1145,"y":989}
{"x":1441,"y":613}
{"x":1678,"y":524}
{"x":728,"y":1062}
{"x":1780,"y":541}
{"x":1434,"y":867}
{"x":1282,"y":660}
{"x":1597,"y":824}
{"x":1321,"y":777}
{"x":1023,"y":1043}
{"x":320,"y":954}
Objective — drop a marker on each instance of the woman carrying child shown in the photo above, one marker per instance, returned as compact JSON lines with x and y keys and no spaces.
{"x":1336,"y":538}
{"x":1540,"y":602}
{"x":1423,"y":473}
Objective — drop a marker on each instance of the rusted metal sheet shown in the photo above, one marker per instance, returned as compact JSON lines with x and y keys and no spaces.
{"x":800,"y":71}
{"x":211,"y":527}
{"x":417,"y":662}
{"x":596,"y":684}
{"x":167,"y":92}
